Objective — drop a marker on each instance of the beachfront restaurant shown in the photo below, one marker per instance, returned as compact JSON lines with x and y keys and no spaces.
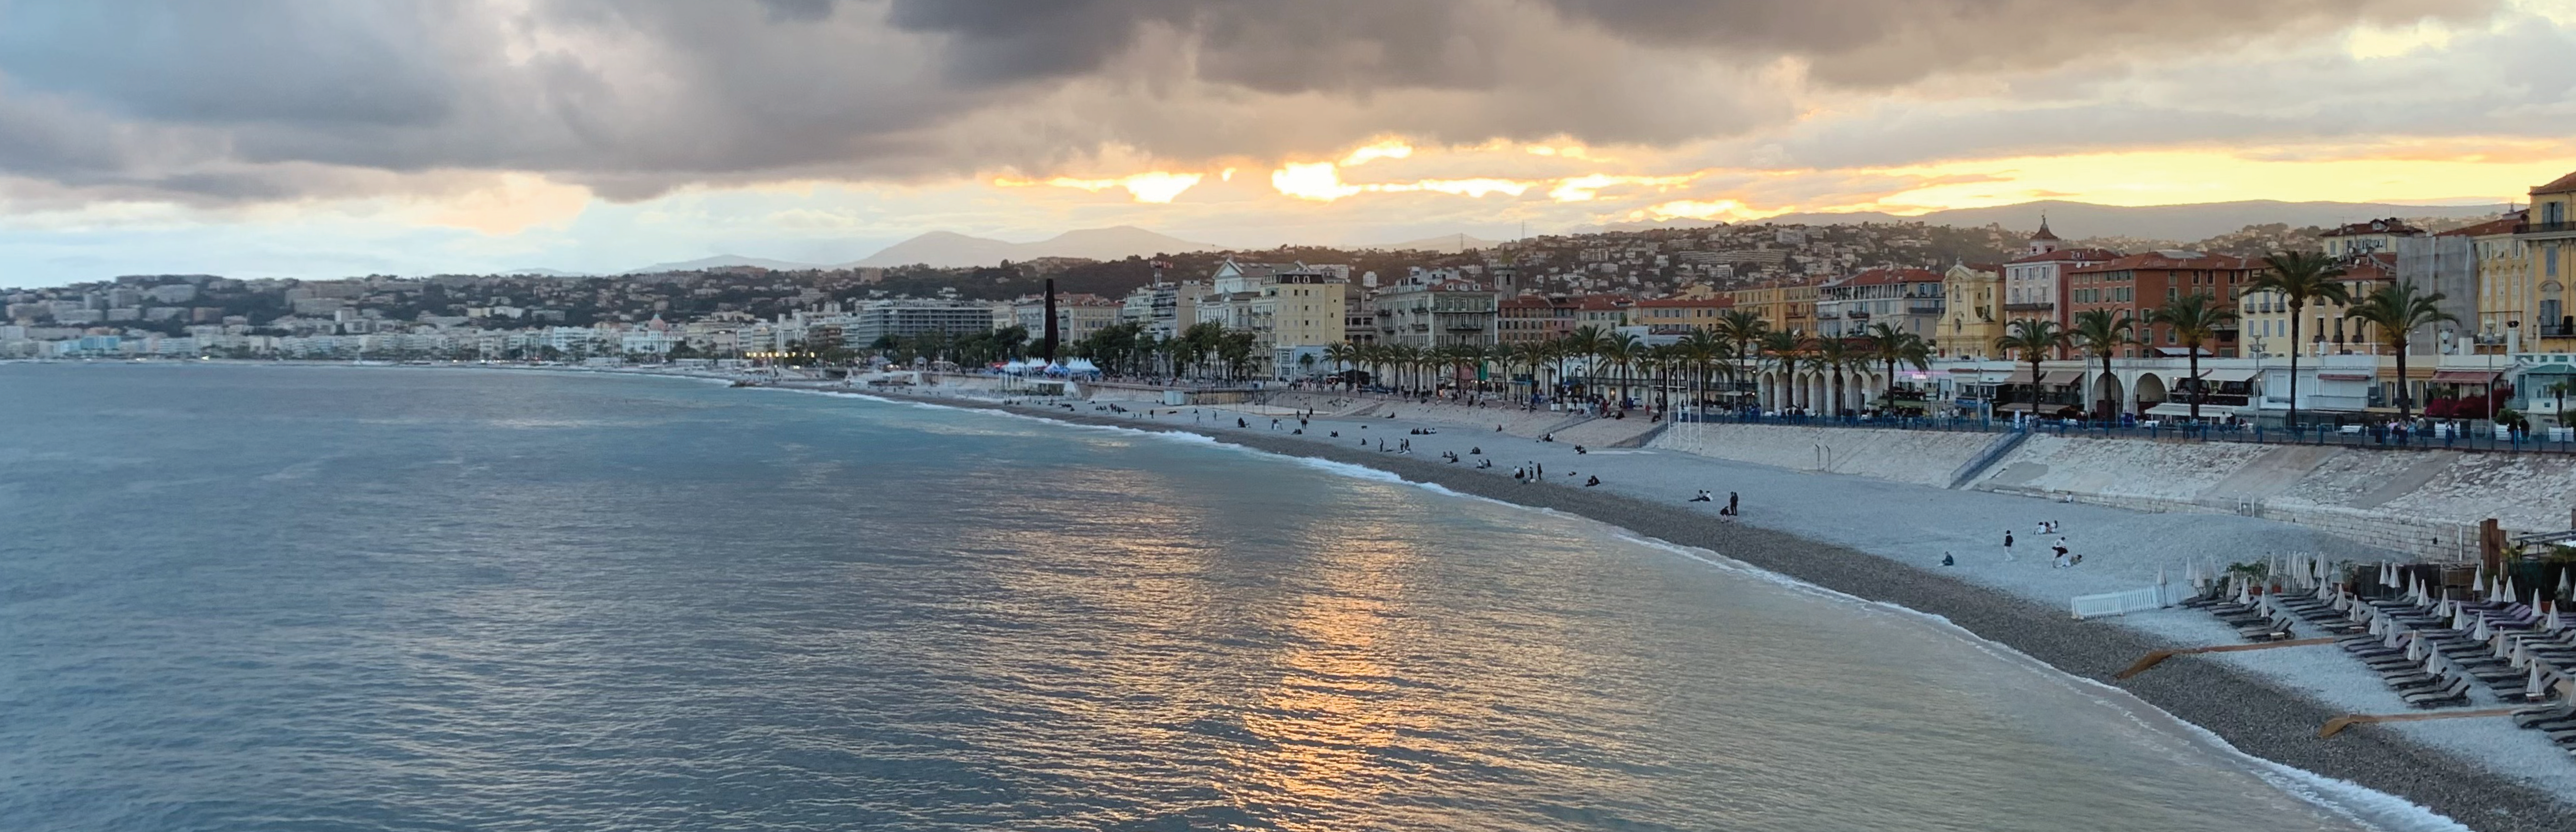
{"x":2054,"y":390}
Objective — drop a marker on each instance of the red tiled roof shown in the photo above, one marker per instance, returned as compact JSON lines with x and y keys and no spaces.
{"x":2160,"y":260}
{"x":2564,"y":184}
{"x":2503,"y":225}
{"x":1721,"y":302}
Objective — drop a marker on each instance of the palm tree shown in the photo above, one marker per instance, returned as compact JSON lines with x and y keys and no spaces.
{"x":1889,"y":345}
{"x":1342,"y":353}
{"x":1698,"y":349}
{"x":2299,"y":277}
{"x":1621,"y":351}
{"x":1834,"y":354}
{"x":1742,"y":330}
{"x":1785,"y":348}
{"x":2099,"y":332}
{"x":2398,"y":311}
{"x":2034,"y":339}
{"x":2194,"y":320}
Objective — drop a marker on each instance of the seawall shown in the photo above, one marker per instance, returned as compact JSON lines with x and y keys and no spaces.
{"x":2423,"y":502}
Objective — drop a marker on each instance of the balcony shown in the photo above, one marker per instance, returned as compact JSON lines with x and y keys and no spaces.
{"x":2545,"y":228}
{"x":1464,"y":326}
{"x":2042,"y":306}
{"x":1923,"y":309}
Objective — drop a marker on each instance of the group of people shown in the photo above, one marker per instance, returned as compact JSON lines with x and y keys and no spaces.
{"x":2061,"y":557}
{"x":1727,"y":510}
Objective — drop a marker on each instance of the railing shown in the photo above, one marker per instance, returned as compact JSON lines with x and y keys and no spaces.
{"x":2544,"y":227}
{"x":2477,"y":436}
{"x":2041,"y":306}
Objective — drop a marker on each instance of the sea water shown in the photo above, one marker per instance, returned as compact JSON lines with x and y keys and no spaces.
{"x":343,"y":598}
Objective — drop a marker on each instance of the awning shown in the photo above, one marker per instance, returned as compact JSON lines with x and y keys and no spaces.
{"x":2062,"y":377}
{"x":2207,"y":411}
{"x":2228,"y":375}
{"x":2021,"y":376}
{"x":2343,"y":376}
{"x":2180,"y":352}
{"x":2465,"y":377}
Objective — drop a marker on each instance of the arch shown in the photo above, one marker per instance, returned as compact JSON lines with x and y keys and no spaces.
{"x":2106,"y":388}
{"x":2149,"y":391}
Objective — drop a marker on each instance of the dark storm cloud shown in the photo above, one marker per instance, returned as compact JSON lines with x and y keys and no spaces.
{"x":243,"y":99}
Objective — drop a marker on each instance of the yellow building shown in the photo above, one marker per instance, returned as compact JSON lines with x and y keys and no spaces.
{"x":1972,"y":311}
{"x":1783,"y":307}
{"x":2549,"y":235}
{"x":2263,"y":318}
{"x":2507,"y":294}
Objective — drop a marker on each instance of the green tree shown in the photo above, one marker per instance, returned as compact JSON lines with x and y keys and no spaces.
{"x":1889,"y":345}
{"x":2300,"y":277}
{"x":2033,"y":339}
{"x":2398,"y":312}
{"x":1786,"y":348}
{"x":2194,"y":320}
{"x":2099,"y":333}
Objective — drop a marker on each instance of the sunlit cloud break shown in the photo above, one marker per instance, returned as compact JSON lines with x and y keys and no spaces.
{"x":1151,"y":186}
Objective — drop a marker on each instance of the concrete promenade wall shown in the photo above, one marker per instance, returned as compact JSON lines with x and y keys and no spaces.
{"x":2426,"y":502}
{"x":2423,"y":502}
{"x":1909,"y":456}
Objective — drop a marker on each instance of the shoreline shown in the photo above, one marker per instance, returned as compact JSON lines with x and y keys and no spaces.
{"x":2254,"y":715}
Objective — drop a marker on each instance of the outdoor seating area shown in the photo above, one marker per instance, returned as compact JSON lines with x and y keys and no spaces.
{"x":2435,"y":644}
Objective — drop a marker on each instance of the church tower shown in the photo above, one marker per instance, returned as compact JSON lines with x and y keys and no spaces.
{"x":2044,"y":241}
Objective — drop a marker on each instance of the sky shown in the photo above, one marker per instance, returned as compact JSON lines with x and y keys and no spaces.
{"x":260,"y":138}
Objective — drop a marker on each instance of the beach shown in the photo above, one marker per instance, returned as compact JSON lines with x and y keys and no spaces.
{"x":1883,"y":541}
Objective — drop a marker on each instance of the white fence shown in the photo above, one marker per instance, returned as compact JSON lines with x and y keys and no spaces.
{"x":2123,"y":603}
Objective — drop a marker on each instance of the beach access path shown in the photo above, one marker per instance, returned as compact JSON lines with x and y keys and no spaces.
{"x":1883,"y":541}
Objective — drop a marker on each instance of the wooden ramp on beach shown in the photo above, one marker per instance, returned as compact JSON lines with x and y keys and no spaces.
{"x":2336,"y":725}
{"x":2158,"y":657}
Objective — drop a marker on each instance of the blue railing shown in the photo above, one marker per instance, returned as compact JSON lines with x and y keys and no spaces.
{"x":2473,"y":436}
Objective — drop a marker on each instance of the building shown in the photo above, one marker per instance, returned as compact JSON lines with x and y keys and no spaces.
{"x":878,"y":320}
{"x":1971,"y":311}
{"x":2507,"y":296}
{"x":1077,"y":316}
{"x":1298,"y":313}
{"x":2265,"y":316}
{"x":1784,"y":307}
{"x":1529,"y":319}
{"x":2135,"y":286}
{"x":1907,"y":299}
{"x":2363,"y":238}
{"x":1679,"y":316}
{"x":2035,"y":281}
{"x":1427,"y":311}
{"x":2549,"y":235}
{"x":1163,"y":308}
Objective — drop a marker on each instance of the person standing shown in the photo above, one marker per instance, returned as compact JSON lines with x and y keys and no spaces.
{"x":2007,"y":539}
{"x":1731,"y":499}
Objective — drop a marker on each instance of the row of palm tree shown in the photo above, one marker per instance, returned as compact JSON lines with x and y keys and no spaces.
{"x":2301,"y":278}
{"x":1737,"y":345}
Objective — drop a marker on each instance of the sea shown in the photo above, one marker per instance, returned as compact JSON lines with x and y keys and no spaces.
{"x":259,"y":597}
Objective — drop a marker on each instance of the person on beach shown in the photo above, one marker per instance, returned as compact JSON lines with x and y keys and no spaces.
{"x":1946,"y":560}
{"x":1589,"y":482}
{"x":1240,"y":423}
{"x":1547,"y":437}
{"x":2060,"y":547}
{"x":1579,"y":449}
{"x":1476,"y":451}
{"x":2008,"y":538}
{"x":1702,"y":498}
{"x":1519,"y":475}
{"x":1730,"y":503}
{"x":1337,"y":434}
